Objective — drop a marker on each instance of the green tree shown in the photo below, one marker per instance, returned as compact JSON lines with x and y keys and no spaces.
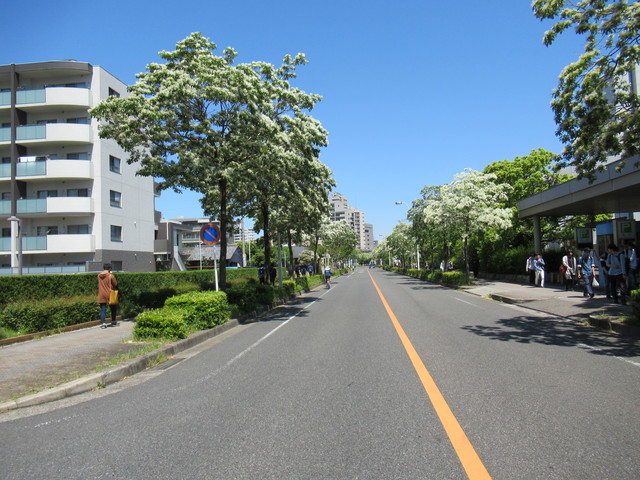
{"x":401,"y":243}
{"x":595,"y":105}
{"x":184,"y":121}
{"x":339,"y":239}
{"x":470,"y":203}
{"x":527,"y":176}
{"x":284,"y":179}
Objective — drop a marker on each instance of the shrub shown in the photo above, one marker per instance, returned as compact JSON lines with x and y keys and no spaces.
{"x":50,"y":314}
{"x":156,"y":298}
{"x":248,"y":295}
{"x":635,"y":305}
{"x":161,"y":323}
{"x":201,"y":309}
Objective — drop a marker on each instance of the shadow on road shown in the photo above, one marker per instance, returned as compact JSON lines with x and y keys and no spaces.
{"x":526,"y":329}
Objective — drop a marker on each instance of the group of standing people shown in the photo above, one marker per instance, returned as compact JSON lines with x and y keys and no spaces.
{"x":535,"y":269}
{"x":618,"y":268}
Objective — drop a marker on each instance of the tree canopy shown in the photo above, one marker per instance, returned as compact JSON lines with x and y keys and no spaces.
{"x":237,"y":134}
{"x":595,"y":106}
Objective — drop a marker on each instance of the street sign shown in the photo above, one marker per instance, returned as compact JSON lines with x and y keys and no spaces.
{"x":210,"y":234}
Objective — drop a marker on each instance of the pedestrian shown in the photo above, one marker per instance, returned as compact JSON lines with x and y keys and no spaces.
{"x":586,"y":272}
{"x":616,"y":265}
{"x":531,"y":269}
{"x":272,"y":274}
{"x":632,"y":260}
{"x":570,"y":271}
{"x":261,"y":274}
{"x":106,"y":283}
{"x":539,"y":266}
{"x":604,"y":276}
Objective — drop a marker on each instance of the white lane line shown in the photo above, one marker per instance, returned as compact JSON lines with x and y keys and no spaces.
{"x":590,"y":347}
{"x":248,"y":349}
{"x":463,"y":301}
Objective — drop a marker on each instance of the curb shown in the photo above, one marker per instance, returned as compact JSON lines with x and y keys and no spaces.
{"x":115,"y":374}
{"x":136,"y":365}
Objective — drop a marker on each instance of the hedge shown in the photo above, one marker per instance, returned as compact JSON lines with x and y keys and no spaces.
{"x":448,"y":278}
{"x":50,"y":314}
{"x":182,"y":314}
{"x":132,"y":285}
{"x":201,"y":309}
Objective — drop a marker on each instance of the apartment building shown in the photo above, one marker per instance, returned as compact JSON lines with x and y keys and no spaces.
{"x":340,"y":210}
{"x":69,"y":201}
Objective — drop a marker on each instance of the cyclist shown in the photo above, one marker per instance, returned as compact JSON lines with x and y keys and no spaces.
{"x":327,"y":276}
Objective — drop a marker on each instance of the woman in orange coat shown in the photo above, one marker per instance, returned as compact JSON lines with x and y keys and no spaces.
{"x":107,"y":282}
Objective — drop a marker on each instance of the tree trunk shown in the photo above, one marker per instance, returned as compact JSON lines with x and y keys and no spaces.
{"x":267,"y":243}
{"x":466,"y":253}
{"x":223,"y":235}
{"x":291,"y":266}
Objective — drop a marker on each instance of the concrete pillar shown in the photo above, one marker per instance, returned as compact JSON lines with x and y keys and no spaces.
{"x":537,"y":235}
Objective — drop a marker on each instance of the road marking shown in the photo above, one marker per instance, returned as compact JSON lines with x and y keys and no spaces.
{"x":600,"y":350}
{"x":466,"y":453}
{"x":248,"y":349}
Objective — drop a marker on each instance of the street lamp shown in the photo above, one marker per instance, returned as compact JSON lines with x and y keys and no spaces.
{"x":16,"y":223}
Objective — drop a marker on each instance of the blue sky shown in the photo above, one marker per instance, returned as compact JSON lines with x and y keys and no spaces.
{"x":413,"y":92}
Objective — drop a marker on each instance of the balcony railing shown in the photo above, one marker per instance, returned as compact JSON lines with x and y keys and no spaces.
{"x":24,"y":169}
{"x":60,"y":132}
{"x":66,"y":168}
{"x":71,"y":205}
{"x":50,"y":95}
{"x":24,"y":96}
{"x":28,"y":243}
{"x":44,"y":270}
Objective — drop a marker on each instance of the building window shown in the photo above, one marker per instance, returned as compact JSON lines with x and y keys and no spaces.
{"x":42,"y":231}
{"x":47,"y":193}
{"x":116,"y":265}
{"x":115,"y":198}
{"x":78,"y":229}
{"x":78,"y":156}
{"x":113,"y":93}
{"x":116,"y":233}
{"x":77,"y":192}
{"x":81,"y":120}
{"x":5,"y":196}
{"x":114,"y":164}
{"x":5,"y":160}
{"x":6,"y":232}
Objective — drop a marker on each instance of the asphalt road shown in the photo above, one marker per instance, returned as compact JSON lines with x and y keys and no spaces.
{"x":438,"y":385}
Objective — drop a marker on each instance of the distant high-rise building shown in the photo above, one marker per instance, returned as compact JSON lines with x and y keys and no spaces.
{"x":340,"y":210}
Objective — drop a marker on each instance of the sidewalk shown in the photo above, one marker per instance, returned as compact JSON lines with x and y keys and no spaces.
{"x":38,"y":365}
{"x":558,"y":302}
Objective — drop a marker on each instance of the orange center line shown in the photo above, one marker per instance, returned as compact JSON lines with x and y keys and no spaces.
{"x":466,"y":453}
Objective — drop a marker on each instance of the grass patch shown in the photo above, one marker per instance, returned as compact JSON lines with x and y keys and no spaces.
{"x":143,"y":349}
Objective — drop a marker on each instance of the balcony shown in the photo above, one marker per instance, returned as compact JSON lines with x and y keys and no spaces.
{"x":51,"y":168}
{"x":52,"y":244}
{"x":54,"y":96}
{"x":38,"y":243}
{"x":51,"y":205}
{"x":67,"y":133}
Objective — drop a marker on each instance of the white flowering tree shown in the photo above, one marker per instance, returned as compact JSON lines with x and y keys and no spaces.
{"x":472,"y":202}
{"x":339,"y":239}
{"x":596,"y":108}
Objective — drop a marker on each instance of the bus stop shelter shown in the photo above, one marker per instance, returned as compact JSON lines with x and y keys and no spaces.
{"x":614,"y":190}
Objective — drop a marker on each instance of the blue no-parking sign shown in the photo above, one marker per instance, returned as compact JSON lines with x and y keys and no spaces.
{"x":210,"y":234}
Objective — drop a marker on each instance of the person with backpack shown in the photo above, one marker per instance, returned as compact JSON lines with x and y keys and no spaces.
{"x":616,"y":265}
{"x":586,"y":272}
{"x":539,"y":267}
{"x":568,"y":270}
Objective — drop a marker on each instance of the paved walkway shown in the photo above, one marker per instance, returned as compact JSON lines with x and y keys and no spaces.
{"x":37,"y":365}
